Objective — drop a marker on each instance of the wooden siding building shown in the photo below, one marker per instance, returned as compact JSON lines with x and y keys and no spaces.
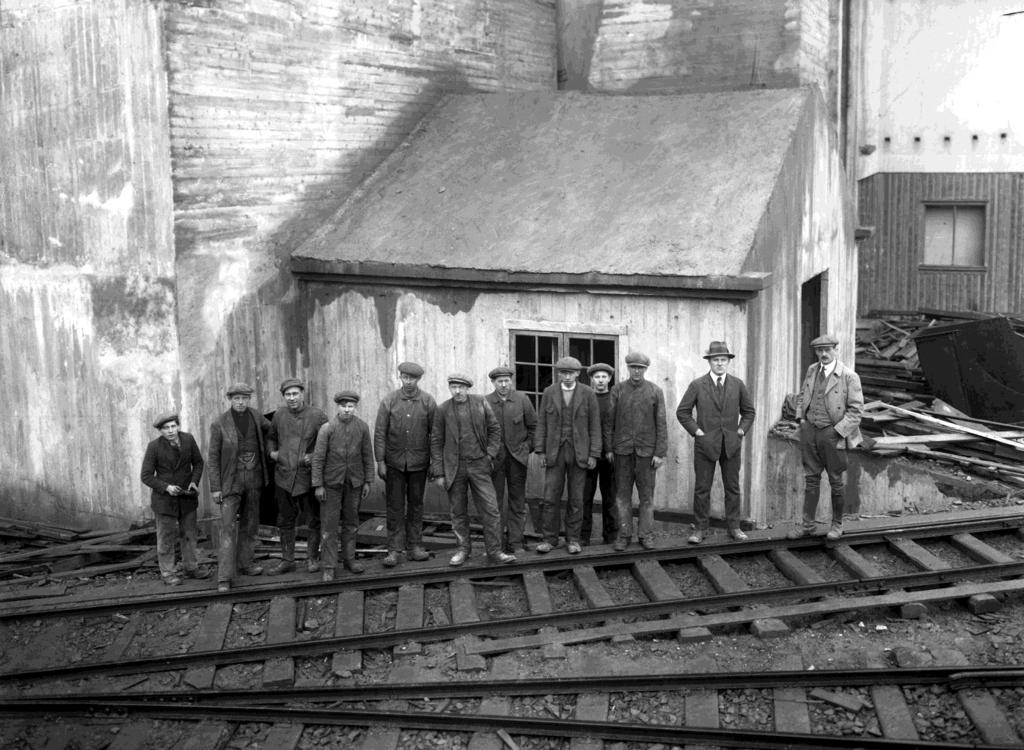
{"x":522,"y":227}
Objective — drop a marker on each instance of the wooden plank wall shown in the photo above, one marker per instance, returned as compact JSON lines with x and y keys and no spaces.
{"x":358,"y":335}
{"x":279,"y":108}
{"x":88,"y":350}
{"x":890,"y":277}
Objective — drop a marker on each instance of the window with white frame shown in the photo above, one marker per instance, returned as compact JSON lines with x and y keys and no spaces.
{"x":954,"y":235}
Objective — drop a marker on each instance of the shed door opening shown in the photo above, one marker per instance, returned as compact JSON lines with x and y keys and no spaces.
{"x":812,"y":317}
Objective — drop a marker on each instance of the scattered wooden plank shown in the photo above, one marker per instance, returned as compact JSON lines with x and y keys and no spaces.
{"x":989,"y":719}
{"x":212,"y":630}
{"x":72,"y":548}
{"x":951,"y":426}
{"x":937,"y":438}
{"x":115,"y":650}
{"x":280,"y":671}
{"x":348,"y":620}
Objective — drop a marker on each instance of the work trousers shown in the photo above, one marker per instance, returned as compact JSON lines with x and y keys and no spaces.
{"x":339,"y":503}
{"x":820,"y":452}
{"x":704,"y":477}
{"x":556,"y":475}
{"x":289,"y":506}
{"x":630,"y":470}
{"x":512,"y":507}
{"x":603,"y":476}
{"x":404,"y":492}
{"x":239,"y":524}
{"x":474,"y":474}
{"x":168,"y":526}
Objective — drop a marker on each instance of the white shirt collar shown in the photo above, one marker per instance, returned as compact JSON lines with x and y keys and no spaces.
{"x":568,"y":387}
{"x":829,"y":368}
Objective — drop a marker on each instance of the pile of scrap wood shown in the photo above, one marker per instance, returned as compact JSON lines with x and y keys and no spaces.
{"x":942,"y":433}
{"x":886,"y":359}
{"x":34,"y":553}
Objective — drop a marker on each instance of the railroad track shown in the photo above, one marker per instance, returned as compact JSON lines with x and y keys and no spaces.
{"x":585,"y":711}
{"x":565,"y":601}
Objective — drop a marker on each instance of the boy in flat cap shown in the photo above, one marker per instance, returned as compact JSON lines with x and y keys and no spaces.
{"x":518,"y":421}
{"x":602,"y":475}
{"x":172,"y":467}
{"x":401,"y":444}
{"x":725,"y":413}
{"x":636,"y":434}
{"x":568,"y":440}
{"x":829,"y":409}
{"x":342,"y":475}
{"x":290,"y":441}
{"x":464,"y":440}
{"x":238,"y":474}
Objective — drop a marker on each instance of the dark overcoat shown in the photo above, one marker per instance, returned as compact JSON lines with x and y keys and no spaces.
{"x":224,"y":449}
{"x":720,"y":417}
{"x":444,"y":436}
{"x":586,"y":424}
{"x":164,"y":465}
{"x":518,"y":423}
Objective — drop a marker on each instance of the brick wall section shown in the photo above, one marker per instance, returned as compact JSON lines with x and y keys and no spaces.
{"x":279,"y":109}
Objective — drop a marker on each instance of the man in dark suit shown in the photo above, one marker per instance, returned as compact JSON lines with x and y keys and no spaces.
{"x":464,"y":440}
{"x":238,"y":474}
{"x":568,"y":440}
{"x":172,"y":467}
{"x":518,"y":422}
{"x":725,"y":413}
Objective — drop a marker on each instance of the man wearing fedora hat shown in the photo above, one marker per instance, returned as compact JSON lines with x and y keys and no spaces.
{"x":342,"y":474}
{"x":568,"y":439}
{"x":290,"y":442}
{"x":636,"y":433}
{"x":724,"y":414}
{"x":401,"y":445}
{"x":518,"y":421}
{"x":172,"y":467}
{"x":603,"y":475}
{"x":238,"y":474}
{"x":828,"y":409}
{"x":464,"y":441}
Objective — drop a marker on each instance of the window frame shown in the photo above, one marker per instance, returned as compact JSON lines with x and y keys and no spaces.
{"x":954,"y":204}
{"x":563,"y":335}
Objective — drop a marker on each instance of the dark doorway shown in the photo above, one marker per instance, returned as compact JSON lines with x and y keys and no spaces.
{"x":812,"y":318}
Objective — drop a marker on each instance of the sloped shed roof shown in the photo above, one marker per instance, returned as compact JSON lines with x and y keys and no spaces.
{"x":554,"y":184}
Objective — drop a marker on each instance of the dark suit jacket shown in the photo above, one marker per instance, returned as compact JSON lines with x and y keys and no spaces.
{"x":163,"y":465}
{"x":518,"y":423}
{"x":444,"y":436}
{"x":718,"y":418}
{"x":224,"y":449}
{"x":586,"y":424}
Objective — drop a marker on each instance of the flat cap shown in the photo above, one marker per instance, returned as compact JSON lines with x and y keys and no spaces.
{"x":292,"y":383}
{"x":600,"y":367}
{"x":167,"y":416}
{"x":458,"y":377}
{"x":718,"y":349}
{"x":501,"y":371}
{"x":239,"y":389}
{"x":568,"y":363}
{"x":826,"y":340}
{"x":411,"y":368}
{"x":346,"y":396}
{"x":634,"y":359}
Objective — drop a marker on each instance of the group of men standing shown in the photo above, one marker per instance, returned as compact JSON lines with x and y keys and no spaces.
{"x":612,"y":437}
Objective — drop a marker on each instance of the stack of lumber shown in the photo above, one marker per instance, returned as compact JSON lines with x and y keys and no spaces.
{"x":886,"y":359}
{"x":942,"y":433}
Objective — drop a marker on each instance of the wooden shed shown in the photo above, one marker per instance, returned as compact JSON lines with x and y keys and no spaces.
{"x":522,"y":227}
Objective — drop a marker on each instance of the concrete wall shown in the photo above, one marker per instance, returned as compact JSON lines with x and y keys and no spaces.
{"x":278,"y":110}
{"x":934,"y":86}
{"x":682,"y":46}
{"x":88,"y":347}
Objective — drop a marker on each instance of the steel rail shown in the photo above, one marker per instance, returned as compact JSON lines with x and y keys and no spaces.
{"x":436,"y":574}
{"x":451,"y":722}
{"x":955,"y":677}
{"x":938,"y":579}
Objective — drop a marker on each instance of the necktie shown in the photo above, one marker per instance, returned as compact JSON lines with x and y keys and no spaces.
{"x":718,"y":385}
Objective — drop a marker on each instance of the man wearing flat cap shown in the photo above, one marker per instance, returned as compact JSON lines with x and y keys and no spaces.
{"x":724,"y":414}
{"x":518,"y":421}
{"x":464,"y":442}
{"x":636,"y":433}
{"x":401,"y":444}
{"x":568,"y":440}
{"x":342,"y":476}
{"x":293,"y":430}
{"x":238,"y":474}
{"x":829,"y":409}
{"x":172,"y":467}
{"x":602,"y":475}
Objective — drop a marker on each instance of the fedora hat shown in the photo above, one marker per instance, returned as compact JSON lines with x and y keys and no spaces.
{"x":718,"y":349}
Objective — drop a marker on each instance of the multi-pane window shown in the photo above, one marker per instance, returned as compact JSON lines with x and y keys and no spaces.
{"x":954,"y":235}
{"x":534,"y":355}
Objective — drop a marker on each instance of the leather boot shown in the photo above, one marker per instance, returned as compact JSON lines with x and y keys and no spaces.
{"x":313,"y":552}
{"x":351,"y":564}
{"x":287,"y":563}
